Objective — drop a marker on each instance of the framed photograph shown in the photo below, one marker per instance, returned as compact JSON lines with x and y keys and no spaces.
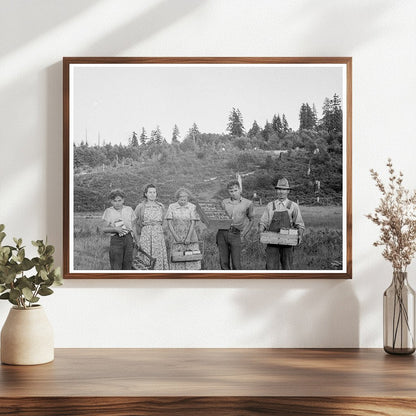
{"x":229,"y":168}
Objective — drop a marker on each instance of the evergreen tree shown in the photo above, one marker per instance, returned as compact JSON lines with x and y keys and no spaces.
{"x":194,"y":133}
{"x":156,"y":136}
{"x":267,"y":131}
{"x":307,"y":118}
{"x":314,"y":115}
{"x":143,"y":137}
{"x":285,"y":125}
{"x":235,"y":123}
{"x":332,"y":115}
{"x":175,"y":134}
{"x":133,"y":142}
{"x":255,"y":129}
{"x":277,"y":124}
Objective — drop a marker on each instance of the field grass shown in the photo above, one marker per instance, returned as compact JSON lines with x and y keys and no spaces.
{"x":321,"y":248}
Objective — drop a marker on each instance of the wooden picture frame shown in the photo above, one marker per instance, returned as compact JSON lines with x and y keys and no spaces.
{"x":108,"y":101}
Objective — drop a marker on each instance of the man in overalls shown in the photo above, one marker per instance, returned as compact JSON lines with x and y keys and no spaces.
{"x":281,"y":213}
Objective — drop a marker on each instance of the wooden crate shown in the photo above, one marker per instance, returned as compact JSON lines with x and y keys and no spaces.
{"x":286,"y":239}
{"x":213,"y":215}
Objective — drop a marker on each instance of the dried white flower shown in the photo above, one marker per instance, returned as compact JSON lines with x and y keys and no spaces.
{"x":396,"y":216}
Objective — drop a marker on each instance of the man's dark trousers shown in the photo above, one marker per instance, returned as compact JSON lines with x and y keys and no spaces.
{"x":229,"y":248}
{"x":121,"y":252}
{"x":279,"y":257}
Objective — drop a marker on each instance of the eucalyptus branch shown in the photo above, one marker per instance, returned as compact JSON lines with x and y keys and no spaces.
{"x":18,"y":286}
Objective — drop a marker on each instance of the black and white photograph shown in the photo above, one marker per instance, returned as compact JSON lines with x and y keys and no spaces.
{"x":218,"y":167}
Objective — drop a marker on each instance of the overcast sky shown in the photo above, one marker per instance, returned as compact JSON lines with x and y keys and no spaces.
{"x":114,"y":100}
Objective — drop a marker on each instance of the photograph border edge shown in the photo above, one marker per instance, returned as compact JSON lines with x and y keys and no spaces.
{"x":67,"y":61}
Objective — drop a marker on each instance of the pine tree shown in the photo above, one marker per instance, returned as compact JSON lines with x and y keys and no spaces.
{"x":337,"y":114}
{"x":285,"y":125}
{"x":307,"y":118}
{"x":235,"y":123}
{"x":156,"y":136}
{"x":175,"y":134}
{"x":277,"y":124}
{"x":255,"y":129}
{"x":314,"y":115}
{"x":267,"y":131}
{"x":194,"y":133}
{"x":143,"y":137}
{"x":332,"y":115}
{"x":133,"y":142}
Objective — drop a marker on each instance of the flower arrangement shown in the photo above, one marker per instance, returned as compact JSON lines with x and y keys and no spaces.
{"x":15,"y":285}
{"x":396,"y":216}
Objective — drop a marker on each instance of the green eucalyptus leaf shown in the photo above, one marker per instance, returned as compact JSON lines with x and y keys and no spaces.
{"x":21,"y":255}
{"x":34,"y":299}
{"x":4,"y":254}
{"x":15,"y":294}
{"x":37,"y":243}
{"x":16,"y":241}
{"x":45,"y":291}
{"x":26,"y":264}
{"x":24,"y":282}
{"x":43,"y":274}
{"x":27,"y":293}
{"x":58,"y":276}
{"x":2,"y":236}
{"x":49,"y":250}
{"x":38,"y":280}
{"x":8,"y":277}
{"x":2,"y":227}
{"x":2,"y":288}
{"x":5,"y":295}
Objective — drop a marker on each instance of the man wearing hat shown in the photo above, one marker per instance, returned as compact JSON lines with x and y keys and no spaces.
{"x":281,"y":213}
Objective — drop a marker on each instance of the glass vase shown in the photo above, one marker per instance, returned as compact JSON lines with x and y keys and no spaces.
{"x":399,"y":316}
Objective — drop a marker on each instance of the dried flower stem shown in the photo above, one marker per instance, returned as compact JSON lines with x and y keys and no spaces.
{"x":396,"y":216}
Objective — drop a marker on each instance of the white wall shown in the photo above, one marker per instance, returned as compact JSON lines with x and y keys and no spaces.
{"x":380,"y":35}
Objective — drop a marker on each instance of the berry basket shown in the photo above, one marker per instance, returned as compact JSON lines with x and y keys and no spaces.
{"x":178,"y":254}
{"x":286,"y":237}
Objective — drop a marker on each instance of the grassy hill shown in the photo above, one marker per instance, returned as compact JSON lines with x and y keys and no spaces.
{"x":206,"y":173}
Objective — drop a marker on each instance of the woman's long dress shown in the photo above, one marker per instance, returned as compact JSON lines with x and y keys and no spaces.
{"x":152,"y":239}
{"x":181,"y":217}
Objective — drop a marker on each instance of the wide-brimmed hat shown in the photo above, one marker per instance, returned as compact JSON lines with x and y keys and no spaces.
{"x":283,"y":184}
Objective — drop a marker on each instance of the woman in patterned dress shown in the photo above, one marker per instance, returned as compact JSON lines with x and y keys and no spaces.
{"x":149,"y":221}
{"x":182,"y":217}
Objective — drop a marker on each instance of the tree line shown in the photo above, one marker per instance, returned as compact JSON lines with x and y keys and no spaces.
{"x":274,"y":135}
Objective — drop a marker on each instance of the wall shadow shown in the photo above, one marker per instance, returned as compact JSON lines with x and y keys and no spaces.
{"x":44,"y":17}
{"x":302,"y":314}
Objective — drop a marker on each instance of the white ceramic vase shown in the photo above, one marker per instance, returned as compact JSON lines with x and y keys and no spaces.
{"x":27,"y":337}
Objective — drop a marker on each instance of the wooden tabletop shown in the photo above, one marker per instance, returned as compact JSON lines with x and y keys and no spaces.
{"x":237,"y":381}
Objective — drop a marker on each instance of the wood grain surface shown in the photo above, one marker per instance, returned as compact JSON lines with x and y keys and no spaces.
{"x":212,"y":382}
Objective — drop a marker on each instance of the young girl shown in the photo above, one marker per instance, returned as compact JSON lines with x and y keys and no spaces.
{"x":119,"y":221}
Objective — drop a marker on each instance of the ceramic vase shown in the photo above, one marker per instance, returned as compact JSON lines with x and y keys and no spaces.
{"x":27,"y":337}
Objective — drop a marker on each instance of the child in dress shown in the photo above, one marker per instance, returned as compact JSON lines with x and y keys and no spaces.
{"x":118,"y":221}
